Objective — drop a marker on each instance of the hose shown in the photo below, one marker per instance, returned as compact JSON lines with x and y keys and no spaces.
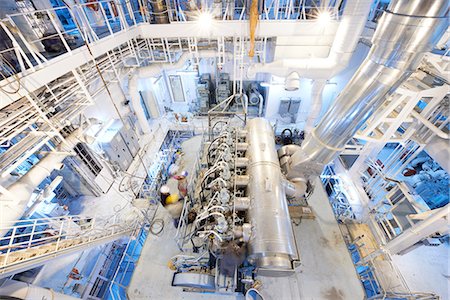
{"x":157,"y":222}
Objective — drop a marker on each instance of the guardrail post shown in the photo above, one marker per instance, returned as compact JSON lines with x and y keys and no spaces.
{"x":11,"y":241}
{"x":32,"y":234}
{"x":59,"y":235}
{"x":63,"y":40}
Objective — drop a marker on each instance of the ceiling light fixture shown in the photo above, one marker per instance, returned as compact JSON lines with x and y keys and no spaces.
{"x":324,"y":17}
{"x":205,"y":19}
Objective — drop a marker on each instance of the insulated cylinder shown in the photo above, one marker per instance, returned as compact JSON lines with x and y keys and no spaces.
{"x":271,"y":245}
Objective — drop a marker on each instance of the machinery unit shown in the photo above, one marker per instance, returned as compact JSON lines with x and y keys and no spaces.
{"x":223,"y":89}
{"x":289,"y":109}
{"x":238,"y":221}
{"x":120,"y":144}
{"x":255,"y":98}
{"x":204,"y":87}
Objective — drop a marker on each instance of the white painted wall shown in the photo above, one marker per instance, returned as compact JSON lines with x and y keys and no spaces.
{"x":103,"y":108}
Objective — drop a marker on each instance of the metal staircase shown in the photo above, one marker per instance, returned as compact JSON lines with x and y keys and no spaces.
{"x":30,"y":243}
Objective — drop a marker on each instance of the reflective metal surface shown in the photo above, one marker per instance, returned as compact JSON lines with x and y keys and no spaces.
{"x":271,"y":245}
{"x":404,"y":34}
{"x":194,"y":280}
{"x":159,"y":11}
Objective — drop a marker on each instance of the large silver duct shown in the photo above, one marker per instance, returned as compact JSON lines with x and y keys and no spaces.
{"x":405,"y":32}
{"x":271,"y":245}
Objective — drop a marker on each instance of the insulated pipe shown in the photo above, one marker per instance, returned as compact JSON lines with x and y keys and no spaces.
{"x":316,"y":104}
{"x":292,"y":82}
{"x":14,"y":202}
{"x":295,"y":188}
{"x":261,"y":105}
{"x":271,"y":245}
{"x":347,"y":36}
{"x":285,"y":153}
{"x":405,"y":32}
{"x":159,"y":11}
{"x":13,"y":289}
{"x":154,"y":70}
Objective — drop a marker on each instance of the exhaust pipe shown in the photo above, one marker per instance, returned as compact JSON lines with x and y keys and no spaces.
{"x":405,"y":32}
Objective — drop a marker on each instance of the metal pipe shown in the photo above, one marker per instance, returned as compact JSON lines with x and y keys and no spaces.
{"x":405,"y":32}
{"x":159,"y":11}
{"x":295,"y":188}
{"x":15,"y":200}
{"x":271,"y":246}
{"x":316,"y":104}
{"x":351,"y":25}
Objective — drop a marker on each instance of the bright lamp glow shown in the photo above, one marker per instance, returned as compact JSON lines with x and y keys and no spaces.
{"x":205,"y":19}
{"x":324,"y":17}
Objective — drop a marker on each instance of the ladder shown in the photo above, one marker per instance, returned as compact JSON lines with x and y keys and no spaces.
{"x":32,"y":242}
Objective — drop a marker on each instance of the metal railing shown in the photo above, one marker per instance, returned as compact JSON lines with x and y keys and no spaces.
{"x":34,"y":239}
{"x":39,"y":35}
{"x":378,"y":283}
{"x":182,"y":229}
{"x":127,"y":264}
{"x":33,"y":37}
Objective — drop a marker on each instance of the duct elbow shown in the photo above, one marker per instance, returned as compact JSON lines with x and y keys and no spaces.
{"x":136,"y":104}
{"x":295,"y":188}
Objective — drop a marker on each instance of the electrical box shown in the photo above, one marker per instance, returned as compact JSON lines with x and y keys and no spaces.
{"x":204,"y":92}
{"x":223,"y":90}
{"x":120,"y":144}
{"x":117,"y":151}
{"x":131,"y":139}
{"x":289,"y":108}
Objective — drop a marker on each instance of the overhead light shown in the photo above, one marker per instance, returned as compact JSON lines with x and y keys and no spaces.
{"x":205,"y":19}
{"x":324,"y":17}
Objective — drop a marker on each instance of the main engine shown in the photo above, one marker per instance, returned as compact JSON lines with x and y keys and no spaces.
{"x":236,"y":225}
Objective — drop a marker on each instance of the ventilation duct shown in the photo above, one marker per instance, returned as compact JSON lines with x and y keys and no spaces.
{"x":316,"y":104}
{"x":351,"y":25}
{"x":292,"y":82}
{"x":405,"y":32}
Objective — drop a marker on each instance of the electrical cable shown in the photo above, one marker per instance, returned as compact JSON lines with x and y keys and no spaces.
{"x":159,"y":227}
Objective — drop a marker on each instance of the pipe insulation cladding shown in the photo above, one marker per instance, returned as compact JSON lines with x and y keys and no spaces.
{"x":405,"y":32}
{"x":271,"y":245}
{"x":14,"y":201}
